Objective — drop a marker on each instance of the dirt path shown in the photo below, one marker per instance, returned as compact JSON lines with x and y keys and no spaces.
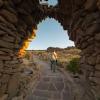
{"x":50,"y":86}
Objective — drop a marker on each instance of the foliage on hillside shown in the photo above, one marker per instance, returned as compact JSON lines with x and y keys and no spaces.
{"x":73,"y":66}
{"x":64,"y":55}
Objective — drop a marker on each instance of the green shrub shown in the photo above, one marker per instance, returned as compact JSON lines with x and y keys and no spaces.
{"x":73,"y":65}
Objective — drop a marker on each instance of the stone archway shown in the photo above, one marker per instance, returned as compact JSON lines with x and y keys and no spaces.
{"x":80,"y":18}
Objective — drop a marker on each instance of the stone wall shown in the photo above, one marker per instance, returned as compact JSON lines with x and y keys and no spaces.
{"x":17,"y":21}
{"x":85,"y":32}
{"x":81,"y":18}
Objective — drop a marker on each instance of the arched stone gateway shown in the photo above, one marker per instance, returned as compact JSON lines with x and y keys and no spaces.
{"x":18,"y":18}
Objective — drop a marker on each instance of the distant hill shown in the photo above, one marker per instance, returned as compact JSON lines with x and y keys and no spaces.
{"x":50,"y":49}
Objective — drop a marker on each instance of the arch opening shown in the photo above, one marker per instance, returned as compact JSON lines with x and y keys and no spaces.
{"x":50,"y":33}
{"x":51,"y":36}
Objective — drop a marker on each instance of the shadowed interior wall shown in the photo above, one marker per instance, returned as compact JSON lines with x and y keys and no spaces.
{"x":18,"y":19}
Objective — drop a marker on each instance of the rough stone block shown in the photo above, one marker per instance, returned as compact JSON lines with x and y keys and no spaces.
{"x":87,"y":67}
{"x":18,"y":98}
{"x":97,"y":45}
{"x":97,"y":73}
{"x":9,"y":16}
{"x":82,"y":60}
{"x":1,"y":3}
{"x":0,"y":76}
{"x":5,"y":78}
{"x":91,"y":60}
{"x":98,"y":59}
{"x":96,"y":80}
{"x":2,"y":53}
{"x":84,"y":45}
{"x":90,"y":5}
{"x":2,"y":32}
{"x":16,"y":1}
{"x":3,"y":89}
{"x":9,"y":31}
{"x":92,"y":29}
{"x":98,"y":4}
{"x":13,"y":86}
{"x":12,"y":62}
{"x":97,"y":37}
{"x":6,"y":50}
{"x":4,"y":97}
{"x":89,"y":50}
{"x":1,"y":64}
{"x":97,"y":67}
{"x":6,"y":44}
{"x":10,"y":25}
{"x":8,"y":38}
{"x":5,"y":58}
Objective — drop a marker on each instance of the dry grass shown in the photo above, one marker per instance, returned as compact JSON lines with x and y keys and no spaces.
{"x":64,"y":55}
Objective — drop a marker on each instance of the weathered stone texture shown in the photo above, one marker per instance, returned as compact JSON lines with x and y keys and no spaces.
{"x":18,"y":18}
{"x":9,"y":16}
{"x":1,"y":3}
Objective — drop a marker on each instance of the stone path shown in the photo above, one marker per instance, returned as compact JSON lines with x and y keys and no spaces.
{"x":50,"y":86}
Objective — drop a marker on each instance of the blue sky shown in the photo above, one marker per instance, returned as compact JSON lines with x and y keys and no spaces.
{"x":50,"y":2}
{"x":50,"y":34}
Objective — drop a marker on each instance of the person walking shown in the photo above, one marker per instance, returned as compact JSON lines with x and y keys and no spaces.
{"x":54,"y":61}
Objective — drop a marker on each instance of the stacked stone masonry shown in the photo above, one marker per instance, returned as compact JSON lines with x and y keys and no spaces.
{"x":19,"y":17}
